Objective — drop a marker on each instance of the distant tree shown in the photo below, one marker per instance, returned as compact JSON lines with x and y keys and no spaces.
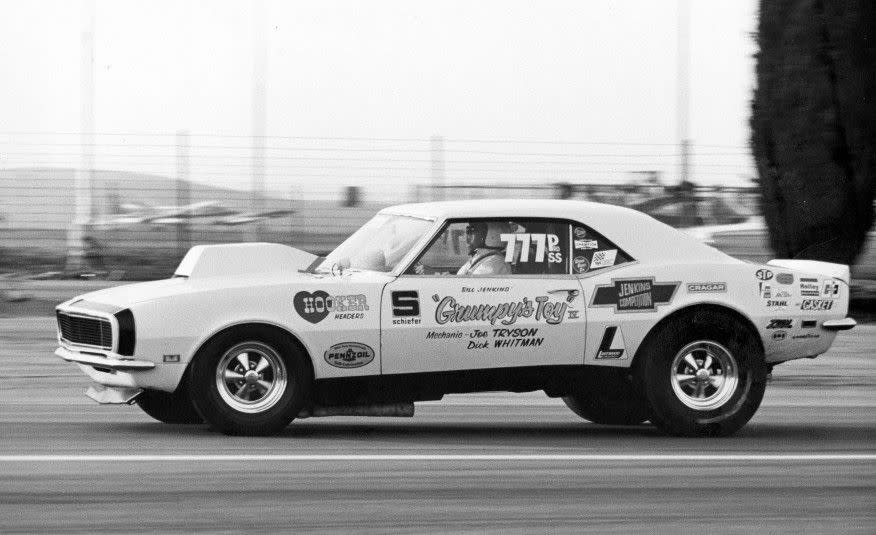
{"x":814,"y":125}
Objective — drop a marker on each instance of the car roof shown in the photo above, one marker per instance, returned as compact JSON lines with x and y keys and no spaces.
{"x":621,"y":225}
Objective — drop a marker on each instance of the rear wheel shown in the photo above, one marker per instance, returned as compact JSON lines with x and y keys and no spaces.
{"x":170,"y":408}
{"x":703,"y":375}
{"x":609,"y":397}
{"x":250,"y":381}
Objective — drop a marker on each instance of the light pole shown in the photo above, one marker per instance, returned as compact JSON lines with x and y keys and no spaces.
{"x":82,"y":176}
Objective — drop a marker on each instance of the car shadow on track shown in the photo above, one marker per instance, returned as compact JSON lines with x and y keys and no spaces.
{"x":546,"y":435}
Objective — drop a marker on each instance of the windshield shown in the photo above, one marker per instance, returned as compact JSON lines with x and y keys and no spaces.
{"x":379,"y":245}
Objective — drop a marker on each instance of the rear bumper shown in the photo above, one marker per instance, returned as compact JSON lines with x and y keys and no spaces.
{"x":839,"y":325}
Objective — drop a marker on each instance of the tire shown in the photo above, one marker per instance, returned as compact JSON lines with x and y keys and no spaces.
{"x":703,"y":374}
{"x":609,"y":397}
{"x":261,"y":400}
{"x":170,"y":408}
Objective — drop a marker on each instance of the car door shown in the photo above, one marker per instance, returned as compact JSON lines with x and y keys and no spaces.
{"x":530,"y":313}
{"x":615,"y":300}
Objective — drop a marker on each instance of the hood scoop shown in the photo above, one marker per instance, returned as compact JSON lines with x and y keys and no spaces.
{"x":204,"y":261}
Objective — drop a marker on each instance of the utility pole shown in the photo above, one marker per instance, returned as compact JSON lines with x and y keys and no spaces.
{"x":82,"y":176}
{"x":690,"y":211}
{"x":437,"y":168}
{"x":259,"y":74}
{"x":683,"y":87}
{"x":183,"y":190}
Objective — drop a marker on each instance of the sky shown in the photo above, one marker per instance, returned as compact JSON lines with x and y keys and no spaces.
{"x":519,"y":91}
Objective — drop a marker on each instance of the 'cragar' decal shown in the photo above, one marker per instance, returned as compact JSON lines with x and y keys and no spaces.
{"x":706,"y":287}
{"x":314,"y":307}
{"x":633,"y":295}
{"x":543,"y":242}
{"x":349,"y":355}
{"x":612,"y":345}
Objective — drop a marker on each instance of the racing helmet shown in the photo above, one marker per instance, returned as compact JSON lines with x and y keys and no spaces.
{"x":495,"y":229}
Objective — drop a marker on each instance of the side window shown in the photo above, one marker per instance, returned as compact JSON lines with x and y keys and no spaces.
{"x":591,"y":251}
{"x":497,"y":247}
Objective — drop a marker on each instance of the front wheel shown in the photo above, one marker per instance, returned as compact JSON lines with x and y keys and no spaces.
{"x":703,"y":375}
{"x":170,"y":408}
{"x":250,"y":381}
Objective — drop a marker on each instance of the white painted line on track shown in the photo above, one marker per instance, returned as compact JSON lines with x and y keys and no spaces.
{"x":425,"y":457}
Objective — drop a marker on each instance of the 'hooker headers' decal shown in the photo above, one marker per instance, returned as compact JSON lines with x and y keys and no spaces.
{"x":634,"y":295}
{"x":314,"y":307}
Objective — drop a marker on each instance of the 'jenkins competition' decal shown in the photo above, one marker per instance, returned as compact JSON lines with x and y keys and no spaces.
{"x":634,"y":295}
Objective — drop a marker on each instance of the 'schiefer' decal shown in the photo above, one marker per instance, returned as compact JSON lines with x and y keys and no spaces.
{"x":634,"y":295}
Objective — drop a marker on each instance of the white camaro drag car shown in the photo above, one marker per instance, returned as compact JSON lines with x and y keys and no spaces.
{"x":625,"y":318}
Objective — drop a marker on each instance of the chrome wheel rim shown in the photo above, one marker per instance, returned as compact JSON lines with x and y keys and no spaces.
{"x":704,"y":375}
{"x":251,"y":377}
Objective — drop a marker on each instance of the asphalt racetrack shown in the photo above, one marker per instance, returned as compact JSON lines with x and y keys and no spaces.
{"x":504,"y":463}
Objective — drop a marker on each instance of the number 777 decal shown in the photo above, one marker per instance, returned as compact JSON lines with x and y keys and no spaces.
{"x":543,"y":242}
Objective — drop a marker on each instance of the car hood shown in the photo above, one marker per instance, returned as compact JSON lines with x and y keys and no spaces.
{"x":131,"y":294}
{"x":217,"y":268}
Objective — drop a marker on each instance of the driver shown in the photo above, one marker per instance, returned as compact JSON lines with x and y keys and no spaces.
{"x":486,"y":249}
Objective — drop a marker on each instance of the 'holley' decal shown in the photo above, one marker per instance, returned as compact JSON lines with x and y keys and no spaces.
{"x":634,"y":295}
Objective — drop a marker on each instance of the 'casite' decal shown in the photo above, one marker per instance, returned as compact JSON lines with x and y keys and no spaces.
{"x":634,"y":295}
{"x":349,"y":355}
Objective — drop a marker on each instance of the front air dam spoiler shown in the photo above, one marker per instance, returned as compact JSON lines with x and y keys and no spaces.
{"x":113,"y":395}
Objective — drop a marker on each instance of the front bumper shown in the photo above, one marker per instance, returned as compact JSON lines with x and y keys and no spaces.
{"x":107,"y":370}
{"x":115,"y":383}
{"x":102,"y":361}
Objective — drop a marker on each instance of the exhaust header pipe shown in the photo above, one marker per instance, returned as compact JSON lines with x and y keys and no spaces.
{"x":405,"y":409}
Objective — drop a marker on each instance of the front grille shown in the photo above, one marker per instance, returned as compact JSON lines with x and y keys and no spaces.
{"x":86,"y":331}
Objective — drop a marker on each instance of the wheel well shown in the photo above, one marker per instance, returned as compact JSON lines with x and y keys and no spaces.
{"x":690,"y":312}
{"x":279,"y":330}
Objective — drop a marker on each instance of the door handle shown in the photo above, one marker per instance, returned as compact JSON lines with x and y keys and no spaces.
{"x":571,"y":293}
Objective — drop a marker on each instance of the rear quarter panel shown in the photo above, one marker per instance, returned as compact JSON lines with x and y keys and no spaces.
{"x":771,"y":306}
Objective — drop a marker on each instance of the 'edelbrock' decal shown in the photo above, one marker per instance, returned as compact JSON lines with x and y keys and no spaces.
{"x":349,"y":355}
{"x":633,"y":295}
{"x":451,"y":311}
